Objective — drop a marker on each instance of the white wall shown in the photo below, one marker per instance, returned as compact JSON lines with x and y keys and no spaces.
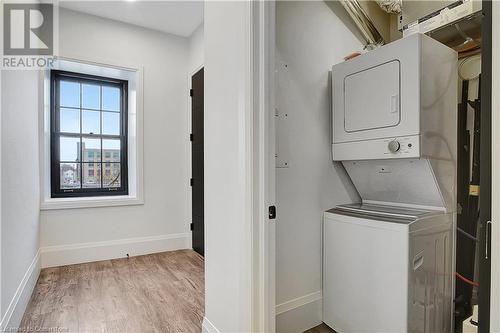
{"x":310,"y":39}
{"x":20,"y":192}
{"x":196,"y":49}
{"x":195,"y":63}
{"x":165,"y":215}
{"x":228,"y":162}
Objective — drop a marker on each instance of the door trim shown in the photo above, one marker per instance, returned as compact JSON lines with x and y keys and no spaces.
{"x":264,"y":300}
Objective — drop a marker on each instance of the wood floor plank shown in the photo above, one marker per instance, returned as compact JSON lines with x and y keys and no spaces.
{"x":161,"y":292}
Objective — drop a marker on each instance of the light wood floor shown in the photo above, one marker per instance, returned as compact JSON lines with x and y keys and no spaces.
{"x":161,"y":292}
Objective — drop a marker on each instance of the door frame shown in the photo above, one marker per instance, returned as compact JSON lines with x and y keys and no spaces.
{"x":264,"y":174}
{"x":265,"y":186}
{"x":253,"y":151}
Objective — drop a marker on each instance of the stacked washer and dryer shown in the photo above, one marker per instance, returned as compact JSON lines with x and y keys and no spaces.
{"x":388,"y":261}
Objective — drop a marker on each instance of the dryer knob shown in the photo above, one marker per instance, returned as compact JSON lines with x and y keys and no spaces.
{"x":393,"y":146}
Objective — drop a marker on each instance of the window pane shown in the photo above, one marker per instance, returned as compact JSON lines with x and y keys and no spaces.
{"x":91,"y":175}
{"x":110,"y":98}
{"x":70,"y":175}
{"x":69,"y":149}
{"x":69,"y":120}
{"x":111,"y":123}
{"x":91,"y":122}
{"x":91,"y":150}
{"x":111,"y":175}
{"x":69,"y":94}
{"x":91,"y":96}
{"x":111,"y":150}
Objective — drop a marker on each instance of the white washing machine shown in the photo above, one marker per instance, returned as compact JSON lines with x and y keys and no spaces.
{"x":387,"y":269}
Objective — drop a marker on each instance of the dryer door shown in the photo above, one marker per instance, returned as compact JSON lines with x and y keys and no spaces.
{"x":377,"y":95}
{"x":372,"y":98}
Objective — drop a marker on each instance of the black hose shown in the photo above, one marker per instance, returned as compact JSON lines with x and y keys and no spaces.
{"x":466,"y":234}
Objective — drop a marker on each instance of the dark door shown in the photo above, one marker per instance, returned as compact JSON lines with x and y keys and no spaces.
{"x":197,"y":180}
{"x":485,"y":254}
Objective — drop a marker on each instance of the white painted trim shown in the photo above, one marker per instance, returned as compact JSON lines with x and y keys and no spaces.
{"x":241,"y":302}
{"x":208,"y":327}
{"x":1,"y":72}
{"x":134,"y":75}
{"x":264,"y":298}
{"x":247,"y":133}
{"x":60,"y":255}
{"x":301,"y":318}
{"x":90,"y":202}
{"x":495,"y":171}
{"x":299,"y":302}
{"x":15,"y":311}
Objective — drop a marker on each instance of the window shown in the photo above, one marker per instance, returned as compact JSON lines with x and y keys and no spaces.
{"x":88,"y":121}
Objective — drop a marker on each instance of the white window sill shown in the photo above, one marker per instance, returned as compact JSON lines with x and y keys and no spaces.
{"x":90,"y":202}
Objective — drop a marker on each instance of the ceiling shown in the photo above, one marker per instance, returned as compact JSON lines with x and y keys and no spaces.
{"x":176,"y":17}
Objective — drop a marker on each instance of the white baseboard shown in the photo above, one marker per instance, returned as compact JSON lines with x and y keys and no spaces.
{"x":15,"y":311}
{"x":53,"y":256}
{"x":300,"y":314}
{"x":298,"y":302}
{"x":208,"y":327}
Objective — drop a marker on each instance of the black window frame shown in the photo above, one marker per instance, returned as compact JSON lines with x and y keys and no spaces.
{"x":56,"y":192}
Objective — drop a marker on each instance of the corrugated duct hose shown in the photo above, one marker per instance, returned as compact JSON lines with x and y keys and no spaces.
{"x":391,"y":6}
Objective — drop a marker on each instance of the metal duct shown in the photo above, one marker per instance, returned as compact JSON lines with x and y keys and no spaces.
{"x":364,"y":23}
{"x":390,"y":6}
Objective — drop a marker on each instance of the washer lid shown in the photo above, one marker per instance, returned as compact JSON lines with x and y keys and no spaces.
{"x":382,"y":212}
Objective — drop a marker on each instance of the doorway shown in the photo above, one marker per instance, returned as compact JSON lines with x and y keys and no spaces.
{"x":288,"y":62}
{"x":197,"y":178}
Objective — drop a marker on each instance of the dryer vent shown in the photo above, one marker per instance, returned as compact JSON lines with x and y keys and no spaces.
{"x":365,"y":25}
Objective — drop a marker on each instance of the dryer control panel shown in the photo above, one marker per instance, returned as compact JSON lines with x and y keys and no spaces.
{"x":401,"y":146}
{"x":395,"y":147}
